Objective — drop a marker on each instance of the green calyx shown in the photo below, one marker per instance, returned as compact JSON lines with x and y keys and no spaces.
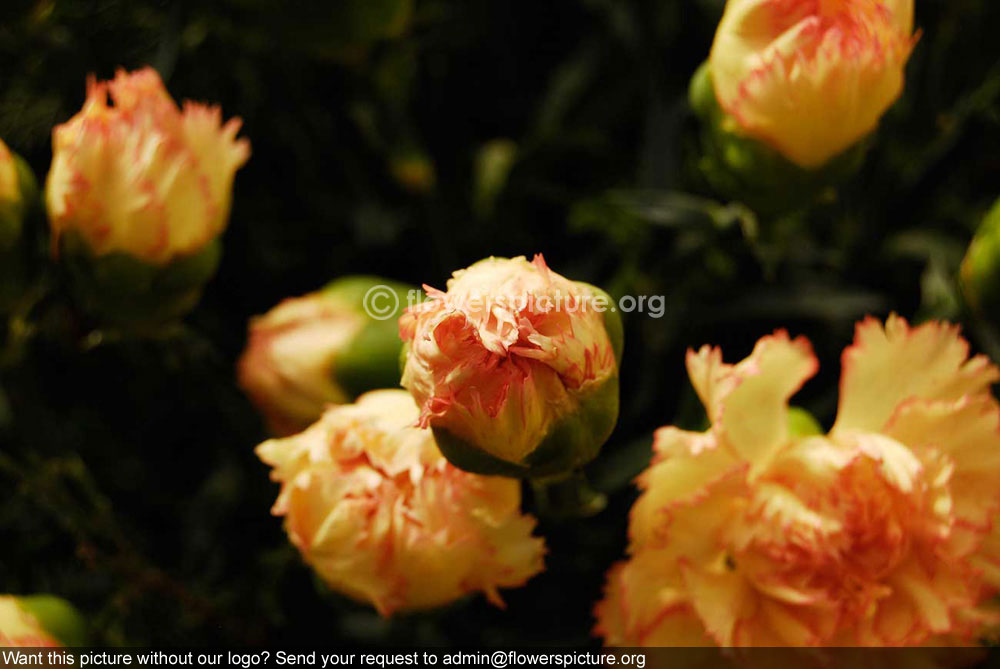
{"x":125,"y":291}
{"x":570,"y":443}
{"x":745,"y":169}
{"x":371,"y":360}
{"x":57,"y":617}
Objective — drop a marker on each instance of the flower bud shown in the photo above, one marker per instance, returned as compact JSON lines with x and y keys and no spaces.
{"x":810,"y":77}
{"x":515,"y":368}
{"x":741,"y":168}
{"x":382,"y":517}
{"x":980,"y":274}
{"x":18,"y":192}
{"x":39,"y":621}
{"x":138,"y":194}
{"x":323,"y":348}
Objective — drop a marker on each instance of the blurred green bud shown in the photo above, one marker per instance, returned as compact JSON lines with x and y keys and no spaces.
{"x":324,"y":348}
{"x":494,"y":161}
{"x":741,"y":168}
{"x":801,"y":423}
{"x":18,"y":196}
{"x":414,"y":171}
{"x":40,"y":620}
{"x":979,"y":276}
{"x":515,"y":369}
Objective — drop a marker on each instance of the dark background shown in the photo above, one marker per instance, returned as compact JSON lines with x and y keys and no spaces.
{"x":127,"y":479}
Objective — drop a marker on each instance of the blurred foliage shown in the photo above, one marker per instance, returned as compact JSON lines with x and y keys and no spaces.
{"x":407,"y":140}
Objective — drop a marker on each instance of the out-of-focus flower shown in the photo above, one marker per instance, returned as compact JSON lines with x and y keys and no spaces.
{"x":141,"y":176}
{"x":139,"y":192}
{"x":14,"y":193}
{"x":515,"y":368}
{"x":810,"y":77}
{"x":494,"y":161}
{"x":383,"y":518}
{"x":39,"y":621}
{"x":881,"y":532}
{"x":18,"y":192}
{"x":980,"y":273}
{"x":323,"y":348}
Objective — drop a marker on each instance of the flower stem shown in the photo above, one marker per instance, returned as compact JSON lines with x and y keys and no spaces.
{"x":567,"y":496}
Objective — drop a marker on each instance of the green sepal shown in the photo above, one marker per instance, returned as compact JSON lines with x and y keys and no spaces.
{"x":123,"y":290}
{"x":371,"y":360}
{"x":57,"y":617}
{"x":741,"y":168}
{"x":571,"y":442}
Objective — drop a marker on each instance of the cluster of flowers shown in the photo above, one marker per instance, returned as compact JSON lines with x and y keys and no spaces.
{"x":410,"y":499}
{"x":759,"y":531}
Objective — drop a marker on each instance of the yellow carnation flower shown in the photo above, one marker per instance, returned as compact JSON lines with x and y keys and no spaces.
{"x":382,"y":517}
{"x":514,"y":367}
{"x":811,"y":77}
{"x":319,"y":349}
{"x":881,"y":532}
{"x":142,"y":176}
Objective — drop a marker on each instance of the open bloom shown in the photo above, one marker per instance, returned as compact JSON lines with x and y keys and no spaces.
{"x":141,"y":176}
{"x":382,"y":517}
{"x":513,"y":367}
{"x":20,"y":628}
{"x":881,"y":532}
{"x":811,"y":77}
{"x":320,"y":349}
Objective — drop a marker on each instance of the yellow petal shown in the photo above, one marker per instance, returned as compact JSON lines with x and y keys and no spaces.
{"x":748,"y":402}
{"x":888,"y":365}
{"x":811,"y":79}
{"x":967,"y":433}
{"x":722,"y":600}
